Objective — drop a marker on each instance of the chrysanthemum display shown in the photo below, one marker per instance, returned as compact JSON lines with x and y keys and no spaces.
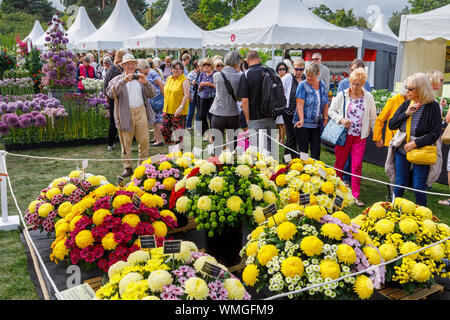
{"x":310,"y":177}
{"x":56,"y":201}
{"x":401,"y":228}
{"x":223,"y":194}
{"x":158,"y":277}
{"x":104,"y":227}
{"x":295,"y":250}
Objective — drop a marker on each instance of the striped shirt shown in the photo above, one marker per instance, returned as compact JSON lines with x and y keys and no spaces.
{"x":415,"y":119}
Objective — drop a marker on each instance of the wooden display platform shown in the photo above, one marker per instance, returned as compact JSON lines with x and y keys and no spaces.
{"x":190,"y":226}
{"x":95,"y":283}
{"x":400,"y":294}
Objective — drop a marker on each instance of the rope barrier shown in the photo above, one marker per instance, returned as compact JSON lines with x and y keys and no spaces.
{"x":366,"y":178}
{"x":33,"y":250}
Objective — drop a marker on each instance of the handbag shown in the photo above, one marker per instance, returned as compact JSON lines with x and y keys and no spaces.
{"x":157,"y":103}
{"x":426,"y":155}
{"x":335,"y":133}
{"x":446,"y":135}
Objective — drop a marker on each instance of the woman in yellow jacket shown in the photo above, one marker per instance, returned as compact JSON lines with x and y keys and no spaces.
{"x":176,"y":101}
{"x":386,"y":114}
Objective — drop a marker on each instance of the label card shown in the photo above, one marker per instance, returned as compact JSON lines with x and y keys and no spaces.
{"x":304,"y":199}
{"x":81,"y":292}
{"x":82,"y":175}
{"x":287,"y":158}
{"x":156,"y":158}
{"x":210,"y":149}
{"x":211,"y":270}
{"x":446,"y":91}
{"x":85,"y":164}
{"x":270,"y":210}
{"x":323,"y":173}
{"x":304,"y":156}
{"x":338,"y":202}
{"x":148,"y":242}
{"x":197,"y":152}
{"x":175,"y":148}
{"x":136,"y":201}
{"x":120,"y":182}
{"x":172,"y":247}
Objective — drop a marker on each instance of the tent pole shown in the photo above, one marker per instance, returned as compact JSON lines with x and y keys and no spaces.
{"x":359,"y":54}
{"x":399,"y":62}
{"x":273,"y":56}
{"x":203,"y":53}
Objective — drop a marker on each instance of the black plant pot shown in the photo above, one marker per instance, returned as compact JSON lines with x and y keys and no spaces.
{"x":225,"y":247}
{"x":182,"y":220}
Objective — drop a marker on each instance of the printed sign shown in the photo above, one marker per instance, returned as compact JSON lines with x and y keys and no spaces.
{"x":270,"y":210}
{"x":323,"y":173}
{"x":304,"y":199}
{"x":136,"y":201}
{"x":172,"y":247}
{"x":120,"y":182}
{"x":211,"y":270}
{"x":287,"y":158}
{"x":304,"y":156}
{"x":81,"y":292}
{"x":148,"y":242}
{"x":175,"y":148}
{"x":338,"y":202}
{"x":85,"y":164}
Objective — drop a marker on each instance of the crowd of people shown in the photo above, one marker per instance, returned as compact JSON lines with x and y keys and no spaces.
{"x":225,"y":93}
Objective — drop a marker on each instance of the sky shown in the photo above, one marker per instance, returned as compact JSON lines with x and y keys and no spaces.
{"x":359,"y":6}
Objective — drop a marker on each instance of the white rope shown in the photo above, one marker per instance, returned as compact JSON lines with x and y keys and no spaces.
{"x":366,"y":178}
{"x":356,"y":273}
{"x":27,"y":233}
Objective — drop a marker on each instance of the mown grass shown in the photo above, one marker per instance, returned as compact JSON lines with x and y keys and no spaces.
{"x":29,"y":176}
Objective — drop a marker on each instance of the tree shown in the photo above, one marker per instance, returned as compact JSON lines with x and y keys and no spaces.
{"x":341,"y":17}
{"x":16,"y":24}
{"x":41,"y":8}
{"x":395,"y":20}
{"x":419,"y":6}
{"x":323,"y":12}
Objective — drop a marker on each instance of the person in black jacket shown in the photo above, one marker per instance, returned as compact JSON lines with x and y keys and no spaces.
{"x":425,"y":115}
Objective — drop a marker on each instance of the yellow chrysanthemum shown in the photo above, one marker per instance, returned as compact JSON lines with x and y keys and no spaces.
{"x":68,"y":189}
{"x":45,"y":209}
{"x":327,"y":187}
{"x":169,"y":183}
{"x":425,"y":212}
{"x":429,"y":226}
{"x":372,"y":255}
{"x":74,"y":174}
{"x":120,"y":200}
{"x":152,"y":200}
{"x":150,"y":298}
{"x":297,"y":166}
{"x":182,"y":204}
{"x":196,"y":289}
{"x":99,"y":216}
{"x":61,"y":229}
{"x":204,"y":203}
{"x":149,"y":184}
{"x":361,"y":236}
{"x":286,"y":230}
{"x":408,"y":247}
{"x":407,"y":206}
{"x":160,"y":228}
{"x":216,"y":184}
{"x":294,"y":197}
{"x":165,"y":165}
{"x":408,"y":226}
{"x":256,"y":192}
{"x":329,"y":269}
{"x":131,"y":219}
{"x":95,"y":181}
{"x":359,"y":220}
{"x":281,"y":180}
{"x":436,"y":252}
{"x":292,"y":266}
{"x":236,"y":290}
{"x":332,"y":231}
{"x":234,"y":203}
{"x":311,"y":246}
{"x":346,"y":254}
{"x":32,"y":206}
{"x":258,"y":215}
{"x":191,"y":183}
{"x":266,"y":253}
{"x":250,"y":275}
{"x":139,"y":172}
{"x":315,"y":212}
{"x":84,"y":239}
{"x":342,"y":216}
{"x":305,"y":177}
{"x":57,"y":181}
{"x":64,"y":209}
{"x":52,"y":192}
{"x":255,"y":233}
{"x":388,"y":251}
{"x":168,"y":213}
{"x":420,"y":272}
{"x":269,"y":197}
{"x":363,"y":287}
{"x":74,"y":221}
{"x":108,"y":242}
{"x":377,"y":212}
{"x":384,"y":226}
{"x":252,"y":249}
{"x":158,"y":279}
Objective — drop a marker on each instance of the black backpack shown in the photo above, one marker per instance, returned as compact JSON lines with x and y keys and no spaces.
{"x":273,"y":100}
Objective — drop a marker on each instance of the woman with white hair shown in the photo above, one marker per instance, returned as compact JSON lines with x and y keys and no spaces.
{"x":424,"y":115}
{"x":355,"y":109}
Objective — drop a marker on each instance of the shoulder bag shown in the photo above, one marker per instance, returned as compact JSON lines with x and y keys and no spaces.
{"x":228,"y":86}
{"x":335,"y":133}
{"x":426,"y":155}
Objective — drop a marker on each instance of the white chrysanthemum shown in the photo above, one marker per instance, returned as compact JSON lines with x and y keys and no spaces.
{"x":256,"y":192}
{"x":308,"y":187}
{"x":116,"y":268}
{"x":245,"y":159}
{"x":200,"y":262}
{"x":265,"y":180}
{"x":243,"y":171}
{"x":261,"y":164}
{"x":186,"y":248}
{"x":236,"y":290}
{"x":310,"y":169}
{"x":208,"y":168}
{"x":180,"y":185}
{"x":183,"y":162}
{"x":226,"y":157}
{"x":137,"y":257}
{"x":158,"y":279}
{"x":192,"y":182}
{"x":182,"y":204}
{"x":316,"y":181}
{"x":216,"y":184}
{"x":127,"y":279}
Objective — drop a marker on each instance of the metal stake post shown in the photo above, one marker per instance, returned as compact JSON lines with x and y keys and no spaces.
{"x":7,"y":223}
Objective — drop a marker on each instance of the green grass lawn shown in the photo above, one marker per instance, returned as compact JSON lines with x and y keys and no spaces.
{"x":29,"y":176}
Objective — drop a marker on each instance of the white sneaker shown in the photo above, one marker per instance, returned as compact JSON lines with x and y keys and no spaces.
{"x":110,"y":148}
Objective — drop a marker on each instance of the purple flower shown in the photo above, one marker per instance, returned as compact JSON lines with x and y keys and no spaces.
{"x":41,"y":120}
{"x":56,"y":58}
{"x":47,"y":39}
{"x":24,"y":122}
{"x":35,"y":113}
{"x":13,"y":121}
{"x":11,"y":107}
{"x":4,"y":129}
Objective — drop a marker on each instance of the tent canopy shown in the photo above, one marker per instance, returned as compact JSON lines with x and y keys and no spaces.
{"x":423,"y":43}
{"x":81,"y":28}
{"x":382,"y":27}
{"x":173,"y":31}
{"x":36,"y":33}
{"x":40,"y":43}
{"x":283,"y":24}
{"x":119,"y":26}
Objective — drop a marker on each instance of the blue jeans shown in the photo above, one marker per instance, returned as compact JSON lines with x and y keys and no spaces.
{"x":419,"y":178}
{"x":348,"y":168}
{"x":190,"y":117}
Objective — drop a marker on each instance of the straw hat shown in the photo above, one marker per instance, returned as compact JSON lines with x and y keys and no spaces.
{"x":128,"y":58}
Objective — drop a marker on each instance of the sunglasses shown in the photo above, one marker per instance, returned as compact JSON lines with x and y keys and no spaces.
{"x":220,"y":66}
{"x":206,"y":65}
{"x":315,"y":59}
{"x":409,"y":88}
{"x":281,"y":69}
{"x":299,"y":69}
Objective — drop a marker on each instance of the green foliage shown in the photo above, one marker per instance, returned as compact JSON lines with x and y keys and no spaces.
{"x":340,"y":17}
{"x":41,"y":8}
{"x":16,"y":23}
{"x":396,"y":18}
{"x":34,"y":64}
{"x":419,"y":6}
{"x":7,"y":62}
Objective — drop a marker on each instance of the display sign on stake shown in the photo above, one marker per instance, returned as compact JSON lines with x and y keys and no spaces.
{"x":287,"y":158}
{"x":136,"y":201}
{"x":156,"y":158}
{"x":338,"y":202}
{"x":81,"y":292}
{"x":304,"y":156}
{"x":270,"y":211}
{"x":120,"y":182}
{"x":174,"y":149}
{"x":323,"y":173}
{"x":211,"y":270}
{"x":172,"y":247}
{"x":304,"y":199}
{"x":148,"y":242}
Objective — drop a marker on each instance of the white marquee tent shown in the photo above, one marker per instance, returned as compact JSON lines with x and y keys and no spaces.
{"x":36,"y":33}
{"x":382,"y":27}
{"x":81,"y":28}
{"x":120,"y":25}
{"x":40,"y":43}
{"x":423,"y":42}
{"x":173,"y":31}
{"x":282,"y":24}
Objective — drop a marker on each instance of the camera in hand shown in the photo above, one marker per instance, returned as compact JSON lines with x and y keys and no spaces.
{"x":135,"y":76}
